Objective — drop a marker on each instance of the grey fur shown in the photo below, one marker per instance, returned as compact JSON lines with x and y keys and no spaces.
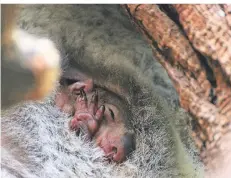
{"x":99,"y":40}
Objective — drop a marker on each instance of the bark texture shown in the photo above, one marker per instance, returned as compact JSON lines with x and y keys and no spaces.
{"x":193,"y":43}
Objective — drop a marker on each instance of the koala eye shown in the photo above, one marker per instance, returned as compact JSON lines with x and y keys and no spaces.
{"x":112,"y":114}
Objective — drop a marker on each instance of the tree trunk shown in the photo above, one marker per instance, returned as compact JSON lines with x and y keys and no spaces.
{"x":193,"y":43}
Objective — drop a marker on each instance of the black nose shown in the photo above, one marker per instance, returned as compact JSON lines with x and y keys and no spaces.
{"x":129,"y":143}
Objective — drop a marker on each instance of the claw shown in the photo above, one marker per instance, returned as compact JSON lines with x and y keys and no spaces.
{"x":94,"y":97}
{"x":83,"y":94}
{"x":94,"y":103}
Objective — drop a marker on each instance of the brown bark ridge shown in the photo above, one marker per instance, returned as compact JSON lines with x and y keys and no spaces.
{"x":193,"y":43}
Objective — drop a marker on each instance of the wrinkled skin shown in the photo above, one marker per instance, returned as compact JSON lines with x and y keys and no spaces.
{"x":104,"y":123}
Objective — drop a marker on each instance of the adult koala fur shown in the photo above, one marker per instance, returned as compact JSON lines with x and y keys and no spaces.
{"x":36,"y":141}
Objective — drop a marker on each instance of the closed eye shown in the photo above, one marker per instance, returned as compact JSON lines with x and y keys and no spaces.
{"x":112,"y":114}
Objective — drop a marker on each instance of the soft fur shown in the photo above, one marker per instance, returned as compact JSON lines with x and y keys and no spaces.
{"x":40,"y":133}
{"x":101,"y":42}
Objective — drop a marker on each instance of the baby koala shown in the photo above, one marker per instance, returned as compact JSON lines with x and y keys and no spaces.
{"x":100,"y":118}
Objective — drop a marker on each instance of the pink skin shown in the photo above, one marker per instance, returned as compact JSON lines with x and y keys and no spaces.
{"x":64,"y":98}
{"x":110,"y":141}
{"x":88,"y":119}
{"x":109,"y":136}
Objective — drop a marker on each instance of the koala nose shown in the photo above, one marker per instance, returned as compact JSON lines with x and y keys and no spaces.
{"x":120,"y":152}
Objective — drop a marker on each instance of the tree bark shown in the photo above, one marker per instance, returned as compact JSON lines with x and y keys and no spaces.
{"x":193,"y":43}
